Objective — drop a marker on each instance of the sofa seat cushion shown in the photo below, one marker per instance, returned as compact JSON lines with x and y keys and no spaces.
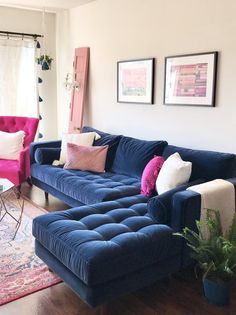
{"x":86,"y":187}
{"x":98,"y":247}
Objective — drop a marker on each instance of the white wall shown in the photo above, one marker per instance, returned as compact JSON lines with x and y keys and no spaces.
{"x":27,"y":21}
{"x":64,"y":66}
{"x":120,"y":30}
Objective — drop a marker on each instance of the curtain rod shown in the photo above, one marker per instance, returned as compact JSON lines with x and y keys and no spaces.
{"x":20,"y":34}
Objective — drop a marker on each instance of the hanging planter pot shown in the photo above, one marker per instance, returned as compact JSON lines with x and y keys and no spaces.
{"x":45,"y":61}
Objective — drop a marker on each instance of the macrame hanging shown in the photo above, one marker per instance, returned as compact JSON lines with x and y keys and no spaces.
{"x":40,"y":100}
{"x":40,"y":80}
{"x":44,"y":59}
{"x":44,"y":62}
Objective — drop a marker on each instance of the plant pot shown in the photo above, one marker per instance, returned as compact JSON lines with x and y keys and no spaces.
{"x":217,"y":292}
{"x":45,"y":65}
{"x":45,"y":61}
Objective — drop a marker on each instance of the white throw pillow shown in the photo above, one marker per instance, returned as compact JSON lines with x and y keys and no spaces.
{"x":85,"y":139}
{"x":173,"y":173}
{"x":11,"y":143}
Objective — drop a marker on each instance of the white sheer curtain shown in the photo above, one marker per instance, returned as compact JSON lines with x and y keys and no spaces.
{"x":18,"y":77}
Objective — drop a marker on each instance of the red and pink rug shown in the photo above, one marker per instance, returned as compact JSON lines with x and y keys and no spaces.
{"x":21,"y":271}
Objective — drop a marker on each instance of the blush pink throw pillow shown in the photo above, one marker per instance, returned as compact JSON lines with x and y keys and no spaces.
{"x":150,"y":174}
{"x":86,"y":158}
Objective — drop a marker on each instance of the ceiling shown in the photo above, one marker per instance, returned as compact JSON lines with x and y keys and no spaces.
{"x":47,"y":4}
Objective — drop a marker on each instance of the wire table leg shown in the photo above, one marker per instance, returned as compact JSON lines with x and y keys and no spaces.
{"x":4,"y":207}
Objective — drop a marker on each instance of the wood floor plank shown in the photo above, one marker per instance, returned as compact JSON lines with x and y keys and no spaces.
{"x":178,"y":295}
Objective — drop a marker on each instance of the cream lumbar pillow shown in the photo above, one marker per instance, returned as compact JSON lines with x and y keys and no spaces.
{"x":173,"y":173}
{"x":84,"y":139}
{"x":11,"y":143}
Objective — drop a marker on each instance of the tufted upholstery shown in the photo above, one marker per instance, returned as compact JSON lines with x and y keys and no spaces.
{"x":106,"y":249}
{"x":98,"y":244}
{"x":18,"y":171}
{"x":86,"y":187}
{"x":14,"y":124}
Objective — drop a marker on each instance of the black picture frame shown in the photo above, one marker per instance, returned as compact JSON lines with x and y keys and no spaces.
{"x":203,"y":92}
{"x":133,"y":72}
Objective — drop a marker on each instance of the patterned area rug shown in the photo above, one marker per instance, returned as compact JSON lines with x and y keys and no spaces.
{"x":21,"y":271}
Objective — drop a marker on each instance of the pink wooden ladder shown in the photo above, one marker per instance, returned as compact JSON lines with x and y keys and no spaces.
{"x":80,"y":78}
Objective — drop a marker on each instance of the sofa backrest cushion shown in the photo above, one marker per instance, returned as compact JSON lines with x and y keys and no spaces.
{"x":106,"y":139}
{"x":132,"y":155}
{"x":206,"y":165}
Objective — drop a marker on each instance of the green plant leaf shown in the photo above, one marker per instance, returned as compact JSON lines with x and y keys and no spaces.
{"x":232,"y":231}
{"x":215,"y":253}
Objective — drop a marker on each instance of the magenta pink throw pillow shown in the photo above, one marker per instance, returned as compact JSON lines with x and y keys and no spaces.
{"x":149,"y":176}
{"x":86,"y":158}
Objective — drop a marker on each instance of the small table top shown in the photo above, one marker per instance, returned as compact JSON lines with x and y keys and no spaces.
{"x":5,"y":185}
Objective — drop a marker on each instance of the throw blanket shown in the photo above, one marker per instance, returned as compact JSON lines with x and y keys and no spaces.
{"x":218,"y":195}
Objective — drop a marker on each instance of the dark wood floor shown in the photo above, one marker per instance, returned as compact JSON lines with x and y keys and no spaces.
{"x":178,"y":295}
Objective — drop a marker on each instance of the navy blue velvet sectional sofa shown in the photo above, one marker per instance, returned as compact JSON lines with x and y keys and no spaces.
{"x":114,"y":240}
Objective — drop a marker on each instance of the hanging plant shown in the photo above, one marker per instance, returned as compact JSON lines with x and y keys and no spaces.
{"x":45,"y":61}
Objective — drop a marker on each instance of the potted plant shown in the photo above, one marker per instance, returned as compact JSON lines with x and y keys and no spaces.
{"x":45,"y":61}
{"x":215,"y":254}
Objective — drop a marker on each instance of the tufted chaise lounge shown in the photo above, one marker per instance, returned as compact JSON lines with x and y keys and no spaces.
{"x":105,"y":249}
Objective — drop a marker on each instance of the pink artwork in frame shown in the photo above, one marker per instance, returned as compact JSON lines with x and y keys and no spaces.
{"x":191,"y":79}
{"x":135,"y":79}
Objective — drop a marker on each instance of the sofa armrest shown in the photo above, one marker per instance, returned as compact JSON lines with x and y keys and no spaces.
{"x":24,"y":162}
{"x":45,"y":144}
{"x":186,"y":209}
{"x":47,"y":155}
{"x":160,"y":207}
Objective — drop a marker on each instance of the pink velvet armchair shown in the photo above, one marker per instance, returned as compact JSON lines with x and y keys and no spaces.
{"x":18,"y":171}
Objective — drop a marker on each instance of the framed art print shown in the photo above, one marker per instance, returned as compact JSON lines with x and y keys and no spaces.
{"x":191,"y":79}
{"x":135,"y":80}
